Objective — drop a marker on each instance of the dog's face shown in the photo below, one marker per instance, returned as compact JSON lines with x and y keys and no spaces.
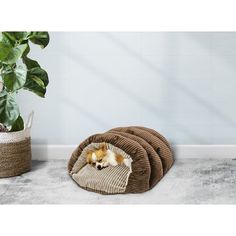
{"x":96,"y":158}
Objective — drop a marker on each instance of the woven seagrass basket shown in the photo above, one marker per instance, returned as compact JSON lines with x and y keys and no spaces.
{"x":15,"y":151}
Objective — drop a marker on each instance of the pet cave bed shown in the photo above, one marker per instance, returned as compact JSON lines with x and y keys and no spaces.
{"x":149,"y":153}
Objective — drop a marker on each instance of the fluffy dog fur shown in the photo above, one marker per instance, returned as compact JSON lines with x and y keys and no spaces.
{"x":103,"y":157}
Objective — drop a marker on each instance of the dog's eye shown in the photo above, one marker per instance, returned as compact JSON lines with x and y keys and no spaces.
{"x":100,"y":160}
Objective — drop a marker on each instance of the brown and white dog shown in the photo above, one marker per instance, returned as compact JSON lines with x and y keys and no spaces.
{"x":104,"y":157}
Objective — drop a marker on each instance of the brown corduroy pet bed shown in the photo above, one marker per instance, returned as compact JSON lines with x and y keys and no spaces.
{"x":150,"y":154}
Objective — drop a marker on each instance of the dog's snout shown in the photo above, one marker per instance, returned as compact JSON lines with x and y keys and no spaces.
{"x":99,"y":167}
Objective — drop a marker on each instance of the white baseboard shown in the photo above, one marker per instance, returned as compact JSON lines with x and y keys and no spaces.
{"x":50,"y":152}
{"x":205,"y":151}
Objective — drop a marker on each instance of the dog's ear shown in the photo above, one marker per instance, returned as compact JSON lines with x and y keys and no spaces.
{"x":104,"y":147}
{"x":88,"y":156}
{"x":89,"y":152}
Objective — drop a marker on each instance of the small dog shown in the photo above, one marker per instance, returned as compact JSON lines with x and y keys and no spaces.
{"x":103,"y":157}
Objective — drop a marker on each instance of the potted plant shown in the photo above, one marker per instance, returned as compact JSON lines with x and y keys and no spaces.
{"x":18,"y":71}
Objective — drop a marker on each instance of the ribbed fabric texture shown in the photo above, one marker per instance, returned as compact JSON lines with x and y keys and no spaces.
{"x":154,"y":159}
{"x":110,"y":180}
{"x":158,"y":145}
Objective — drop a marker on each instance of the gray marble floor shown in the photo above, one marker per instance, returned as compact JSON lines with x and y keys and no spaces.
{"x":190,"y":181}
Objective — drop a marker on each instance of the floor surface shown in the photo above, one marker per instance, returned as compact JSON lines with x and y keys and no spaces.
{"x":189,"y":181}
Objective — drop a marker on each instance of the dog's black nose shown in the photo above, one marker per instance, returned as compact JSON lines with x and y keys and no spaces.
{"x":99,"y":167}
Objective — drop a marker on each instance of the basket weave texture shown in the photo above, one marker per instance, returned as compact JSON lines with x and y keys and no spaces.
{"x":15,"y":158}
{"x":15,"y":151}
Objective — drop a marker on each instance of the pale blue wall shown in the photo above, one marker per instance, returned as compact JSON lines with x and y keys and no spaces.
{"x":182,"y":84}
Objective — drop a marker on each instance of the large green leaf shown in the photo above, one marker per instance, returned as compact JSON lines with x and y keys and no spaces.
{"x":40,"y":38}
{"x":14,"y":79}
{"x":7,"y":38}
{"x":37,"y":80}
{"x":9,"y":54}
{"x":39,"y":73}
{"x":5,"y":50}
{"x":16,"y":37}
{"x":9,"y":110}
{"x":30,"y":63}
{"x":34,"y":87}
{"x":18,"y":125}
